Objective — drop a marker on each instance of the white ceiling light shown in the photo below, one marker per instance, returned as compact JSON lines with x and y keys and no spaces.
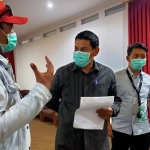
{"x":50,"y":5}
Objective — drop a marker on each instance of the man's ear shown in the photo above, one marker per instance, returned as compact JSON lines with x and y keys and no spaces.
{"x":1,"y":26}
{"x":127,"y":58}
{"x":96,"y":51}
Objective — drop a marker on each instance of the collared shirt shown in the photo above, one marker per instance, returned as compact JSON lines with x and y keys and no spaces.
{"x":127,"y":120}
{"x":70,"y":84}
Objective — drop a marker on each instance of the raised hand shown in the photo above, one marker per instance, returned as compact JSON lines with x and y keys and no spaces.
{"x":45,"y":78}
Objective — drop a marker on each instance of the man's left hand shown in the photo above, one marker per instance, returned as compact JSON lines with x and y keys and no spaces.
{"x":105,"y":113}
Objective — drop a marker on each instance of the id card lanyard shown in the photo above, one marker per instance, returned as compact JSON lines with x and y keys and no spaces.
{"x":140,"y":113}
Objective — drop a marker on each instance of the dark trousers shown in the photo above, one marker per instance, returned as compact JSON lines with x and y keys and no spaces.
{"x":122,"y":141}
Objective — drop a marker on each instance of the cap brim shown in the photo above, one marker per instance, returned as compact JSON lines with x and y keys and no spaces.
{"x":14,"y":19}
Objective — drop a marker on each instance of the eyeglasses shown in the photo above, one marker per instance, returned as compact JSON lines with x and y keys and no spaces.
{"x":8,"y":10}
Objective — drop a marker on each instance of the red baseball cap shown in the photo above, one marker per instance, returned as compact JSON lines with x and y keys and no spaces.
{"x":6,"y":15}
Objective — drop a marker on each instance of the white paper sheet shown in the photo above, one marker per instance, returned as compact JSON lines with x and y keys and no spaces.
{"x":86,"y":116}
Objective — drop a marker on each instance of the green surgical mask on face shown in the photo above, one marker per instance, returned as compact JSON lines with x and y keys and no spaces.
{"x":81,"y":59}
{"x":12,"y":42}
{"x":137,"y":64}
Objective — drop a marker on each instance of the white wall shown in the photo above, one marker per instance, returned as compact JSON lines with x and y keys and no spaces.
{"x":111,"y":30}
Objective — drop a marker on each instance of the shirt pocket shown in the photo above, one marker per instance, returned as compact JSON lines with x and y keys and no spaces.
{"x":102,"y":89}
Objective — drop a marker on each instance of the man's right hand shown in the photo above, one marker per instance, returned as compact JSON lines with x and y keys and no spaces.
{"x":44,"y":78}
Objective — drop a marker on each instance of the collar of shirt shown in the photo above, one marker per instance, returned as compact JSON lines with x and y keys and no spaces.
{"x":3,"y":59}
{"x":131,"y":73}
{"x":95,"y":67}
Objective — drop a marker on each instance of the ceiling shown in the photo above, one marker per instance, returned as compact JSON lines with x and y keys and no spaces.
{"x":42,"y":17}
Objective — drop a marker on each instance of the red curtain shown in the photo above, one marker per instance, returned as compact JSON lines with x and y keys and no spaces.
{"x":139,"y":26}
{"x":10,"y":56}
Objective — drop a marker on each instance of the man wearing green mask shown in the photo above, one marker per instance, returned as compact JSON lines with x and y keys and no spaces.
{"x":17,"y":112}
{"x":131,"y":127}
{"x":82,"y":78}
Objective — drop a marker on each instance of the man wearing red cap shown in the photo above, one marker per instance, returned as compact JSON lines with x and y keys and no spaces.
{"x":15,"y":112}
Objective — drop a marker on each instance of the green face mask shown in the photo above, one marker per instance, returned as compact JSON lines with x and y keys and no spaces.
{"x":81,"y":59}
{"x":12,"y":42}
{"x":137,"y":64}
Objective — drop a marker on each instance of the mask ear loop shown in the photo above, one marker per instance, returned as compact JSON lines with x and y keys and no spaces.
{"x":6,"y":34}
{"x":90,"y":55}
{"x":3,"y":32}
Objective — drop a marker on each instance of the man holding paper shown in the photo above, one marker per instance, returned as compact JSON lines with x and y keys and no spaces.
{"x":82,"y":78}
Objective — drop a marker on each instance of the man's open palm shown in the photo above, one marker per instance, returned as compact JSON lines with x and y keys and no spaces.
{"x":47,"y":77}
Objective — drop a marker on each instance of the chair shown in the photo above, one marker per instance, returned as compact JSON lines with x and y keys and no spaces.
{"x":24,"y":92}
{"x":48,"y":113}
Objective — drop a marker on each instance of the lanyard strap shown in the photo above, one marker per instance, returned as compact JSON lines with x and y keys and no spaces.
{"x":140,"y":85}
